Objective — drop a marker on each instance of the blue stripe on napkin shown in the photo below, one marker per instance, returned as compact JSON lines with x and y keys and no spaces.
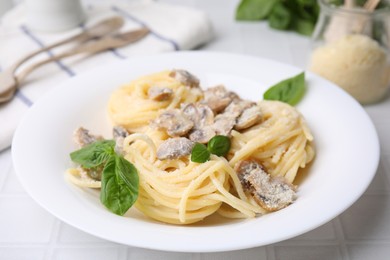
{"x":118,"y":54}
{"x":68,"y":70}
{"x":62,"y":66}
{"x":25,"y":100}
{"x":27,"y":32}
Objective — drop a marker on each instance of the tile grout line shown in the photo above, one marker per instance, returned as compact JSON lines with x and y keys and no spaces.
{"x":369,"y":242}
{"x":270,"y":251}
{"x":87,"y":245}
{"x":21,"y":194}
{"x":196,"y":256}
{"x":7,"y":169}
{"x":52,"y":245}
{"x":340,"y":237}
{"x":290,"y":52}
{"x":27,"y":245}
{"x":385,"y":163}
{"x":123,"y":252}
{"x":242,"y":47}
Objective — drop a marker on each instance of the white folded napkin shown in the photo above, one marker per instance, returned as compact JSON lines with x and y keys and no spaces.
{"x":173,"y":28}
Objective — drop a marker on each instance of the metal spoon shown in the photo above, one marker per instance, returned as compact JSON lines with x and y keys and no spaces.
{"x":104,"y":43}
{"x":7,"y":78}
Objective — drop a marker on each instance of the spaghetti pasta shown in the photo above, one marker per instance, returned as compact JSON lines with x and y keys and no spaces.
{"x":179,"y":191}
{"x":130,"y":107}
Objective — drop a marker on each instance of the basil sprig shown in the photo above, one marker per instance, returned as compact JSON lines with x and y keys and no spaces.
{"x":254,"y":9}
{"x":290,"y":90}
{"x":119,"y":185}
{"x":280,"y":18}
{"x":218,"y":145}
{"x":94,"y":154}
{"x":295,"y":15}
{"x":120,"y":179}
{"x":199,"y":153}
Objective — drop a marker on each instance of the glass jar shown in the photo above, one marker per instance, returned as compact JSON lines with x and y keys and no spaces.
{"x":351,"y":48}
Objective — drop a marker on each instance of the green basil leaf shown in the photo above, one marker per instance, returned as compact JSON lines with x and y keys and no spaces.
{"x":280,"y":17}
{"x":94,"y":154}
{"x":306,"y":2}
{"x":219,"y":145}
{"x":336,"y":2}
{"x":128,"y":173}
{"x":290,"y":90}
{"x":199,"y":153}
{"x":304,"y":27}
{"x":306,"y":9}
{"x":254,"y":9}
{"x":120,"y":183}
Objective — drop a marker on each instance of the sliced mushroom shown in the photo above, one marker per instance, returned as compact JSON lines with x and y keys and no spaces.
{"x":202,"y":135}
{"x":201,"y":115}
{"x":249,"y":117}
{"x":174,"y":148}
{"x":237,"y":106}
{"x":206,"y":115}
{"x":218,"y":98}
{"x":271,"y":193}
{"x":185,"y":78}
{"x":95,"y":173}
{"x":159,"y":93}
{"x":82,"y":137}
{"x":190,"y":111}
{"x":244,"y":167}
{"x":174,"y":122}
{"x":119,"y":133}
{"x":223,"y":124}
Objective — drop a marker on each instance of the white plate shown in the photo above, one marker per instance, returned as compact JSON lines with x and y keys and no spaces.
{"x":346,"y":143}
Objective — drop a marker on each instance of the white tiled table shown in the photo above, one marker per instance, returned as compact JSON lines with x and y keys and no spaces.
{"x":362,"y":232}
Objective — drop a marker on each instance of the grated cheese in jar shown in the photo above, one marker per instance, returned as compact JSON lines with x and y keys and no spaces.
{"x":357,"y":64}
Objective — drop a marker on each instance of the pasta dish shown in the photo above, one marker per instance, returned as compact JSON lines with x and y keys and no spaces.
{"x":194,"y":151}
